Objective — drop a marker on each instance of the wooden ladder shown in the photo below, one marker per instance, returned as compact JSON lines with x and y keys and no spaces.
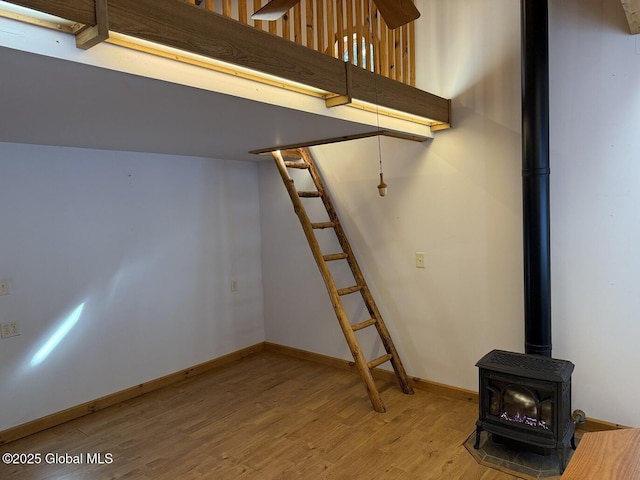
{"x":301,"y":159}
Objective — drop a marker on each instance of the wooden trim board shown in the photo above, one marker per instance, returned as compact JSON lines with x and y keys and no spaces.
{"x":81,"y":11}
{"x":419,"y":383}
{"x":58,"y":418}
{"x":83,"y":409}
{"x":591,"y":424}
{"x":324,"y":141}
{"x":91,"y":35}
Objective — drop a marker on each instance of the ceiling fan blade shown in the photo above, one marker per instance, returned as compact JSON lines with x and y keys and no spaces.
{"x":274,"y":10}
{"x":397,"y":12}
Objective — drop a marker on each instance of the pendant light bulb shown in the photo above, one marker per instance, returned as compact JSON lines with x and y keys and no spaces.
{"x":382,"y":187}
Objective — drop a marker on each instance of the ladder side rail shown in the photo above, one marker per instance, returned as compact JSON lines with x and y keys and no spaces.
{"x":343,"y":320}
{"x":385,"y":336}
{"x":333,"y":217}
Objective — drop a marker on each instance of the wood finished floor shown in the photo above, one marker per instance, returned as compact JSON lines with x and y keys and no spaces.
{"x":265,"y":417}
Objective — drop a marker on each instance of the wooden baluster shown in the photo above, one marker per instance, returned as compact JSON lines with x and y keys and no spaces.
{"x":349,"y":32}
{"x":359,"y":23}
{"x":209,"y":5}
{"x":384,"y":48}
{"x":405,"y":54}
{"x":257,"y":4}
{"x":309,"y":24}
{"x":227,"y":8}
{"x":242,"y":12}
{"x":397,"y":62}
{"x":286,"y":26}
{"x":297,"y":23}
{"x":331,"y":28}
{"x":340,"y":19}
{"x":375,"y":28}
{"x":391,"y":45}
{"x":369,"y":36}
{"x":319,"y":26}
{"x":412,"y":54}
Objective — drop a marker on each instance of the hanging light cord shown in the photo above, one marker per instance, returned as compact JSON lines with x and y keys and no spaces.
{"x":375,"y":82}
{"x":382,"y":187}
{"x":378,"y":122}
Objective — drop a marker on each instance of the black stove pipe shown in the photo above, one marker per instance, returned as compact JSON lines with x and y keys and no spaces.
{"x":535,"y":176}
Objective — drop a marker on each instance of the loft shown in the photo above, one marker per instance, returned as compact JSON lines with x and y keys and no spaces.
{"x":186,"y":32}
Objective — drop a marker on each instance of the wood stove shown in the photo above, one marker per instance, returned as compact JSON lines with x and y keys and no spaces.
{"x":527,"y":399}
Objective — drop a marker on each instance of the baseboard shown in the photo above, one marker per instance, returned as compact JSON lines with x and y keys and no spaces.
{"x":418,"y":383}
{"x":40,"y":424}
{"x":83,"y":409}
{"x":595,"y":425}
{"x":591,"y":424}
{"x":311,"y":356}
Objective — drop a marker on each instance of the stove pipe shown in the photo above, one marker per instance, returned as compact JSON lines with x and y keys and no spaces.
{"x":535,"y":176}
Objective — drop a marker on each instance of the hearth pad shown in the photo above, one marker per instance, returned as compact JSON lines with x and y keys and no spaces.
{"x":520,"y":462}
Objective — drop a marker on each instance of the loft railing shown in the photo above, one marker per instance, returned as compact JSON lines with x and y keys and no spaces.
{"x":351,"y":30}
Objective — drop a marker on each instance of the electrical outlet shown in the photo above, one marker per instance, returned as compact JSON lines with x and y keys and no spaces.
{"x":234,"y":285}
{"x":419,"y":259}
{"x":4,"y":287}
{"x":9,"y":329}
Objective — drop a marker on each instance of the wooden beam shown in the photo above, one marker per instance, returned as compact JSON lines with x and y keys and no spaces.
{"x":632,"y":10}
{"x":81,"y":11}
{"x":91,"y":35}
{"x":378,"y":90}
{"x":344,"y":138}
{"x":176,"y":24}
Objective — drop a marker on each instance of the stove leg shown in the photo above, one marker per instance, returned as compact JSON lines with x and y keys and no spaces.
{"x":562,"y":456}
{"x":477,"y":444}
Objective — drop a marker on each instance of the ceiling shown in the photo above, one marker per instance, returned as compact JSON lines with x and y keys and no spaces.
{"x":51,"y":101}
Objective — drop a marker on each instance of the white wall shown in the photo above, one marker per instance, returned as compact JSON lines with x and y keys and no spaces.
{"x":458,"y":199}
{"x":595,"y":113}
{"x":148,"y":244}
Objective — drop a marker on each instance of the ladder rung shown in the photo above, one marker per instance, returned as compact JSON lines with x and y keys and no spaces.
{"x":379,"y":360}
{"x":365,"y":324}
{"x":296,"y":164}
{"x":348,"y":290}
{"x":309,"y":194}
{"x":323,"y":225}
{"x":334,"y":256}
{"x":293,"y":154}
